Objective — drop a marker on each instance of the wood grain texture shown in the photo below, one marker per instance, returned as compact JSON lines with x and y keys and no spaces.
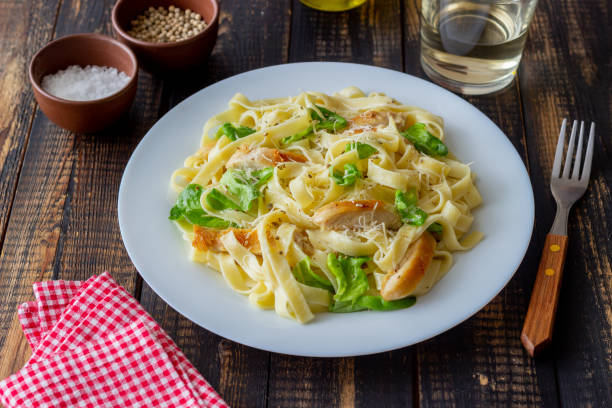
{"x":251,"y":35}
{"x":369,"y":34}
{"x":567,"y":73}
{"x":540,"y":320}
{"x":22,"y":31}
{"x":90,"y":242}
{"x":64,"y":224}
{"x":481,"y":362}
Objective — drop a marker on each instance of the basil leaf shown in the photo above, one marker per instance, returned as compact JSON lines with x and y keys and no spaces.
{"x":351,"y":278}
{"x":175,"y":213}
{"x":331,"y":121}
{"x":424,"y":141}
{"x":353,"y":284}
{"x":435,"y":227}
{"x":189,"y":199}
{"x":246,"y":187}
{"x":304,"y":274}
{"x":345,"y":307}
{"x":199,"y":217}
{"x":350,"y":176}
{"x":364,"y":150}
{"x":405,"y":205}
{"x":263,"y":176}
{"x":366,"y":302}
{"x":298,"y":136}
{"x":188,"y":206}
{"x":219,"y":201}
{"x":378,"y":303}
{"x":234,"y":133}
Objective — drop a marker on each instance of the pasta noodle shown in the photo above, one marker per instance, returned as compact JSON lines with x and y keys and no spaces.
{"x":284,"y":190}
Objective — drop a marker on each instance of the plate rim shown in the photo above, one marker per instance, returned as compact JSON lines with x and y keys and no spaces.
{"x":364,"y":350}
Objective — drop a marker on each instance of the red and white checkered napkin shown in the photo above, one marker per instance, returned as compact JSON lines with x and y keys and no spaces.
{"x":95,"y":346}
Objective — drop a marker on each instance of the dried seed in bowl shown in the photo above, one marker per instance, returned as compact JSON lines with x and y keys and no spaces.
{"x":166,"y":24}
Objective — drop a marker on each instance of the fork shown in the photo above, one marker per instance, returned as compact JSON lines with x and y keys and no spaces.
{"x":540,"y":319}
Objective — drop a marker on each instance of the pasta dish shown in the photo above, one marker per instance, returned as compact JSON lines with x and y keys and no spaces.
{"x":316,"y":202}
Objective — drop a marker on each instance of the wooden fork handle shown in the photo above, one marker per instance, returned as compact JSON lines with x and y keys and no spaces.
{"x":540,"y":319}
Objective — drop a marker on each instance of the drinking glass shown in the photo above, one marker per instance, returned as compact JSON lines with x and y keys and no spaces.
{"x":473,"y":46}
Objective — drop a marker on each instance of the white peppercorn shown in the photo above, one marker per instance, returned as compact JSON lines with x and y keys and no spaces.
{"x":166,"y":24}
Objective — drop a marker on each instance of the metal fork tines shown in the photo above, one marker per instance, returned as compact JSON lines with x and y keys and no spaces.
{"x":568,"y":188}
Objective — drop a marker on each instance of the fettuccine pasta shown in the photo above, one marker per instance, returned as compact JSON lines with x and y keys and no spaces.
{"x":318,"y":202}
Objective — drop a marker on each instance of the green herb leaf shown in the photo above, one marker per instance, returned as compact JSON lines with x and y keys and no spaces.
{"x":175,"y":213}
{"x":219,"y":201}
{"x":353,"y":284}
{"x":188,"y":206}
{"x":350,"y":176}
{"x":405,"y":205}
{"x":331,"y":121}
{"x":364,"y":150}
{"x":350,"y":277}
{"x":298,"y":136}
{"x":199,"y":217}
{"x":263,"y":176}
{"x":304,"y":274}
{"x":435,"y":227}
{"x":424,"y":141}
{"x":345,"y":307}
{"x":378,"y":303}
{"x":234,"y":133}
{"x":245,"y":187}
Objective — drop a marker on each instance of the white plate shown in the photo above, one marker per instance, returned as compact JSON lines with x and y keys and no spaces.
{"x":160,"y":254}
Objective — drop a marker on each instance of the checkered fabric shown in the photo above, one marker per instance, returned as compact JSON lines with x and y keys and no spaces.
{"x":52,"y":297}
{"x":85,"y":320}
{"x":30,"y":323}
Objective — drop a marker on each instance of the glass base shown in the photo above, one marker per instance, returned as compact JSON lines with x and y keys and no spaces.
{"x":466,"y":88}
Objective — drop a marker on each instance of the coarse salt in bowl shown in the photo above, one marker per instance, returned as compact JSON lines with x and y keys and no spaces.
{"x":90,"y":82}
{"x":85,"y":84}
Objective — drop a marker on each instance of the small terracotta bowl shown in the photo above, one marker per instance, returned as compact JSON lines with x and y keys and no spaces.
{"x":172,"y":56}
{"x":83,"y":50}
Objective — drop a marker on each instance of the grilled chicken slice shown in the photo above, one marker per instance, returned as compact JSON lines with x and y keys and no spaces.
{"x":356,"y":215}
{"x":402,"y":281}
{"x":261,"y":157}
{"x":301,"y":239}
{"x":374,"y":119}
{"x":209,"y":239}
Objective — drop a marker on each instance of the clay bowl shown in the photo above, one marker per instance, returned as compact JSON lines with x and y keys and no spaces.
{"x":173,"y":56}
{"x":84,"y":49}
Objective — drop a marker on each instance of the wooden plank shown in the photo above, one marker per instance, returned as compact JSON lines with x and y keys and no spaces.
{"x":566,"y":73}
{"x":370,"y":34}
{"x":481,"y":362}
{"x":251,"y":35}
{"x":63,"y":224}
{"x":22,"y":32}
{"x":90,"y":242}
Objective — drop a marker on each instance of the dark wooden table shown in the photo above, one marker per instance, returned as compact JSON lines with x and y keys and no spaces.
{"x":58,"y":205}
